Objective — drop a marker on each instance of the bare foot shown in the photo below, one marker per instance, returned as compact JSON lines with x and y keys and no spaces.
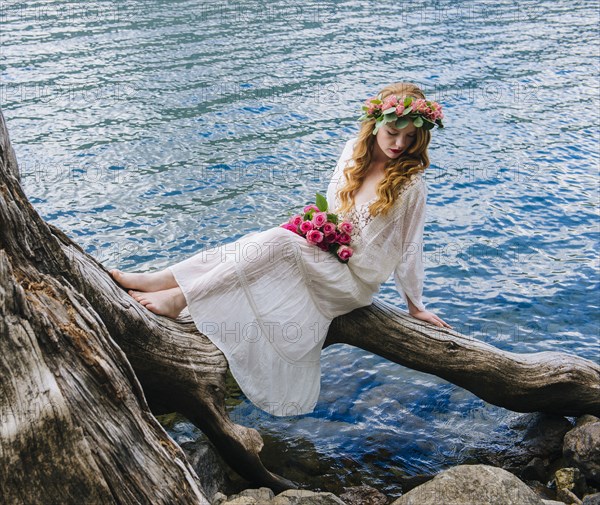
{"x":155,"y":281}
{"x":168,"y":302}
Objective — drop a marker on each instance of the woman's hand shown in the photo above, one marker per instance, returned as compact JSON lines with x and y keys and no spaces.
{"x":430,"y":317}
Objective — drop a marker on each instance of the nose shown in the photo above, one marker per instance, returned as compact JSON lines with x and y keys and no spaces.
{"x":401,"y":143}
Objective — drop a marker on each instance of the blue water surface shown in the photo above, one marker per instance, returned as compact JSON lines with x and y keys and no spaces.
{"x":148,"y":130}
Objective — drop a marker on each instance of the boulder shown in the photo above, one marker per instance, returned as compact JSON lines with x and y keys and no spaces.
{"x":304,"y":497}
{"x":363,"y":495}
{"x":471,"y":485}
{"x":581,"y":447}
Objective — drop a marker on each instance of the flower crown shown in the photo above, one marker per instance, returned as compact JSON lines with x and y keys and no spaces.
{"x":423,"y":113}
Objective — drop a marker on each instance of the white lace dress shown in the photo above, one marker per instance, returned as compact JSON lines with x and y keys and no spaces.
{"x":267,"y":299}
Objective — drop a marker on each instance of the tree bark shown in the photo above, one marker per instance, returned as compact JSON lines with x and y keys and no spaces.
{"x":549,"y":381}
{"x":72,"y":405}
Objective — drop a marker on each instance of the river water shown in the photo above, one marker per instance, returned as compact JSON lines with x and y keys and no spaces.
{"x":149,"y":130}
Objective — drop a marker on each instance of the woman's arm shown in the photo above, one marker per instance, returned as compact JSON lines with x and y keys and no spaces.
{"x":409,"y":273}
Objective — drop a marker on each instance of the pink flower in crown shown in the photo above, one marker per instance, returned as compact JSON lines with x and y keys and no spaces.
{"x":346,"y":227}
{"x":319,"y":219}
{"x":389,"y":102}
{"x":328,"y":228}
{"x":437,"y":109}
{"x":306,"y":226}
{"x":372,"y":107}
{"x":309,"y":207}
{"x":290,"y":226}
{"x":419,"y":105}
{"x":344,"y":252}
{"x":343,"y":238}
{"x":400,"y":109}
{"x":296,"y":220}
{"x":314,"y":237}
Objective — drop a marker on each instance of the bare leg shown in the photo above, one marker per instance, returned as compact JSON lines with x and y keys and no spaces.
{"x":155,"y":281}
{"x":167,"y":302}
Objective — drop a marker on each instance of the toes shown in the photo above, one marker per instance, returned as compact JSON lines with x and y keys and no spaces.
{"x":136,"y":295}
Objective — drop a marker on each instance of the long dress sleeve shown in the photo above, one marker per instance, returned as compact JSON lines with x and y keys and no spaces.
{"x":339,"y":172}
{"x":409,"y":273}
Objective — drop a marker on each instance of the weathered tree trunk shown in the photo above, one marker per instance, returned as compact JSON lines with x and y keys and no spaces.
{"x":63,"y":375}
{"x":74,"y":425}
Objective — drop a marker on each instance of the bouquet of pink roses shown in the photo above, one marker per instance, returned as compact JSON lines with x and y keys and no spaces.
{"x":321,"y":228}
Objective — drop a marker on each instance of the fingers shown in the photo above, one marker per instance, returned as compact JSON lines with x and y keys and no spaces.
{"x":441,"y":323}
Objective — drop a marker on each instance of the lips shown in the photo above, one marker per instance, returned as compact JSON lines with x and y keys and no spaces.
{"x":396,"y":151}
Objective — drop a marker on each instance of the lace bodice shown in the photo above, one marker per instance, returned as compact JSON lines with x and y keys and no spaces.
{"x":359,"y":216}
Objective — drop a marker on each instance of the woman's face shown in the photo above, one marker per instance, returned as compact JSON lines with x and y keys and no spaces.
{"x":392,"y":142}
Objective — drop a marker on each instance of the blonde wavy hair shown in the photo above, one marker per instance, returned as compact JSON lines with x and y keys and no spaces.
{"x":397,"y":171}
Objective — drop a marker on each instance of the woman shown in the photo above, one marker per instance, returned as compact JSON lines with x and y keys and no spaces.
{"x":267,"y":300}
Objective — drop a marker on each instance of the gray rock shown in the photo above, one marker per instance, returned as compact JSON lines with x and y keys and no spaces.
{"x":305,"y":497}
{"x":581,"y":447}
{"x":552,"y":502}
{"x":261,"y":495}
{"x":207,"y":464}
{"x":471,"y":485}
{"x":363,"y":495}
{"x":249,"y":497}
{"x":242,"y":500}
{"x":529,"y":436}
{"x":592,"y":499}
{"x":218,"y":498}
{"x":586,"y":419}
{"x":534,"y":470}
{"x":567,"y":496}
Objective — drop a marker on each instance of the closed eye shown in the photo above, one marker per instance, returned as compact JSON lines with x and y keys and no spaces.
{"x":412,"y":136}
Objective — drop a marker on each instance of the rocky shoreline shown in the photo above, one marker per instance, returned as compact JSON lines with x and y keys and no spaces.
{"x":552,"y":462}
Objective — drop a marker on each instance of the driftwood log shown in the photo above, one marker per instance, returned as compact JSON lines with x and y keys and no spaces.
{"x":83,"y":366}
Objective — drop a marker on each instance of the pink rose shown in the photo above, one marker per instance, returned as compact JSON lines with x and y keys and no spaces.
{"x":309,"y":207}
{"x":306,"y":226}
{"x":344,"y":252}
{"x":296,"y":220}
{"x":330,"y":238}
{"x":319,"y":219}
{"x":343,"y":238}
{"x":389,"y":102}
{"x":419,"y":104}
{"x":290,"y":226}
{"x":346,"y":227}
{"x":372,"y":107}
{"x":314,"y":237}
{"x":399,"y":109}
{"x":328,"y":228}
{"x":323,"y":246}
